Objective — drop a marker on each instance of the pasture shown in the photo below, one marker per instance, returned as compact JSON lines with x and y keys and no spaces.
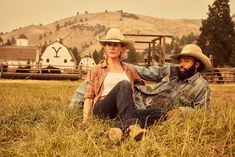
{"x":35,"y":121}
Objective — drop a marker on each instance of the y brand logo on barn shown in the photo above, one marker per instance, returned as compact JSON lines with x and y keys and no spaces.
{"x":56,"y":52}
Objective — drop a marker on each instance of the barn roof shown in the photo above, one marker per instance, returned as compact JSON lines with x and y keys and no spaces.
{"x":70,"y":52}
{"x":22,"y":36}
{"x":18,"y":53}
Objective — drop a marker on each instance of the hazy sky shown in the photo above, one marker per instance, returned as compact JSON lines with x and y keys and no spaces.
{"x":19,"y":13}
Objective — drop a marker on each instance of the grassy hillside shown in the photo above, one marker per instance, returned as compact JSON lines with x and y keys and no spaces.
{"x":35,"y":121}
{"x":81,"y":30}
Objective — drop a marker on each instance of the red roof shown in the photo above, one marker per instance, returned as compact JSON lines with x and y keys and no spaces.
{"x":18,"y":53}
{"x":22,"y":36}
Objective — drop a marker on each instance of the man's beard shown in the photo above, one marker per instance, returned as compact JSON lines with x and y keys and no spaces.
{"x":187,"y":73}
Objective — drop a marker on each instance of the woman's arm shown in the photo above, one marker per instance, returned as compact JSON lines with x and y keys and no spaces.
{"x":89,"y":96}
{"x":87,"y":110}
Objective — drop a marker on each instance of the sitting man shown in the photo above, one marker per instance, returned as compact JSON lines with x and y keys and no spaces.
{"x":179,"y":86}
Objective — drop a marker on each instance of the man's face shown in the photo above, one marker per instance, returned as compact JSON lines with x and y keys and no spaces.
{"x":187,"y":67}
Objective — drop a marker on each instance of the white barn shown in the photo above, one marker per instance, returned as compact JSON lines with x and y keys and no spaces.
{"x":86,"y":63}
{"x":56,"y":54}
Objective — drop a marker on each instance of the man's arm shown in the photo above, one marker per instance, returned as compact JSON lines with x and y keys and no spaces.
{"x":77,"y":100}
{"x":153,"y":73}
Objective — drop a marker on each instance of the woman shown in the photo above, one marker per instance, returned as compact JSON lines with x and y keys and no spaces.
{"x":110,"y":90}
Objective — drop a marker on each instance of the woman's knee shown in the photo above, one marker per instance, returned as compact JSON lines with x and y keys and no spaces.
{"x":125,"y":83}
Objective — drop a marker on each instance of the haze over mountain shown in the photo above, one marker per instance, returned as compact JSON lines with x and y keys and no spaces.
{"x":82,"y":30}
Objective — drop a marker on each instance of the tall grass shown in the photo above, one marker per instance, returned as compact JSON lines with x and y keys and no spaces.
{"x":35,"y":121}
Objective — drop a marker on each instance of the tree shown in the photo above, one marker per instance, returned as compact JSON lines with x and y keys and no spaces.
{"x":40,"y":37}
{"x":13,"y":41}
{"x":65,"y":24}
{"x":97,"y":56}
{"x":76,"y":54}
{"x":1,"y":41}
{"x":8,"y":43}
{"x":44,"y":46}
{"x":217,"y":33}
{"x":57,"y":27}
{"x":132,"y":56}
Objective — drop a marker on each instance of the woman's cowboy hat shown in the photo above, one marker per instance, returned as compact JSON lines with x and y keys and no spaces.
{"x":115,"y":35}
{"x":195,"y":51}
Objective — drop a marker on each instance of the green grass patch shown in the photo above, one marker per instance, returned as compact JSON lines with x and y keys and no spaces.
{"x":35,"y":121}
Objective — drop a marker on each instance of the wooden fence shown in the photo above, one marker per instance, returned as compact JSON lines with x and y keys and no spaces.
{"x":40,"y":72}
{"x":220,"y":75}
{"x":216,"y":75}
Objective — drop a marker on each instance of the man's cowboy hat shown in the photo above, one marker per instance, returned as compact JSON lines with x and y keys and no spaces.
{"x":194,"y":51}
{"x":115,"y":35}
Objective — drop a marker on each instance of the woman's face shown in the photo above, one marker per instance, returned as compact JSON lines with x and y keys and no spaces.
{"x":114,"y":50}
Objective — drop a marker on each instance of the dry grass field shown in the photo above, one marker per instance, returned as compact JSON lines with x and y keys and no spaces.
{"x":35,"y":121}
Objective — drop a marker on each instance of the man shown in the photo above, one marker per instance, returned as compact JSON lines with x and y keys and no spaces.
{"x":179,"y":86}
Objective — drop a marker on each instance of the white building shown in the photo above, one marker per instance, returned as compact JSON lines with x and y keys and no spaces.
{"x":15,"y":56}
{"x":86,"y":63}
{"x":22,"y":40}
{"x":58,"y":55}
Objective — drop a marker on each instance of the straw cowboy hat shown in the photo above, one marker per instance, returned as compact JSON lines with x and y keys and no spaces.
{"x":195,"y":51}
{"x":115,"y":35}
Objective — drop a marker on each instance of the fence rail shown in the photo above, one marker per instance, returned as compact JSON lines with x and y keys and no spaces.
{"x":40,"y":71}
{"x":216,"y":75}
{"x":220,"y":75}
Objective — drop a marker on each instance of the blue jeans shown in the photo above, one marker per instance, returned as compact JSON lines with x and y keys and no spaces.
{"x":119,"y":104}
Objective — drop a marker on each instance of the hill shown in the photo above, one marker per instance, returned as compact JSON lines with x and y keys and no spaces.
{"x":82,"y":30}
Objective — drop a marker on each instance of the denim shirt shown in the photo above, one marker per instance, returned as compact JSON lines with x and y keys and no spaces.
{"x":169,"y":91}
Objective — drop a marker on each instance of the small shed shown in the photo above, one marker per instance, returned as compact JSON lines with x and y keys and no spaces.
{"x":86,"y":63}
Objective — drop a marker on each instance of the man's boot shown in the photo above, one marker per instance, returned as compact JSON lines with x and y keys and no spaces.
{"x":136,"y":132}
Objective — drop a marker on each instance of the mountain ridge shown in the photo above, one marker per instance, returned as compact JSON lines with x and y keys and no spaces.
{"x":81,"y":30}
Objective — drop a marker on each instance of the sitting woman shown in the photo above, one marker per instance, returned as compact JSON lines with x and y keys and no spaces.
{"x":110,"y":90}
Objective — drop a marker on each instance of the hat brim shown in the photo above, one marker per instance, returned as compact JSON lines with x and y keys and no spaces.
{"x":129,"y":44}
{"x":203,"y":58}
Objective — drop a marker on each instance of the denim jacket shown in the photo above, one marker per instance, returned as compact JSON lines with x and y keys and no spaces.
{"x":169,"y":91}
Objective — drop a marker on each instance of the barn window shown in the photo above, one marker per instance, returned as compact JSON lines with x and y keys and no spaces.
{"x":65,"y":60}
{"x":48,"y":60}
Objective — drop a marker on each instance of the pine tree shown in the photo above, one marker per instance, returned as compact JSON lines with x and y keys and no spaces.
{"x":76,"y":54}
{"x":8,"y":43}
{"x":13,"y":41}
{"x":217,"y":33}
{"x":96,"y":56}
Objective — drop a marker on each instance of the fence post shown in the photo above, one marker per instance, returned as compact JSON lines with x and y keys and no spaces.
{"x":1,"y":69}
{"x":40,"y":67}
{"x":212,"y":68}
